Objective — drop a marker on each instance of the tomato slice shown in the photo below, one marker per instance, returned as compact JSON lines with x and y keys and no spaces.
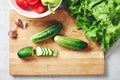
{"x":22,"y":4}
{"x":39,"y":8}
{"x":32,"y":2}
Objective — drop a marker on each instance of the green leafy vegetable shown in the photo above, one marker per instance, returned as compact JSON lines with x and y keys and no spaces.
{"x":50,"y":4}
{"x":99,"y":20}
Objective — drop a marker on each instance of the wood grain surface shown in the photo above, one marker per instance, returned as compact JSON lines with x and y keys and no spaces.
{"x":68,"y":62}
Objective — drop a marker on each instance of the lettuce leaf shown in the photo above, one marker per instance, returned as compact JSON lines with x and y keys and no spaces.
{"x":99,"y":20}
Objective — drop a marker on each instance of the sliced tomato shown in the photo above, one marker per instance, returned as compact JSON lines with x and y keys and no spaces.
{"x":22,"y":4}
{"x":39,"y":8}
{"x":33,"y":2}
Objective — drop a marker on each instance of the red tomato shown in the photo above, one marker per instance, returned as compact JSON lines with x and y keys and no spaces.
{"x":39,"y":8}
{"x":33,"y":2}
{"x":22,"y":4}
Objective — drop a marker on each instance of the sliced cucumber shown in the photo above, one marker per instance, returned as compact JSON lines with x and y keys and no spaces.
{"x":43,"y":51}
{"x":39,"y":51}
{"x":49,"y":52}
{"x":25,"y":52}
{"x":55,"y":53}
{"x":46,"y":51}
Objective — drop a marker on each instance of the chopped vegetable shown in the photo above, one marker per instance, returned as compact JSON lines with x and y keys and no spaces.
{"x":55,"y":53}
{"x":99,"y":20}
{"x":43,"y":51}
{"x":49,"y":51}
{"x":39,"y":51}
{"x":50,"y":4}
{"x":25,"y":52}
{"x":46,"y":51}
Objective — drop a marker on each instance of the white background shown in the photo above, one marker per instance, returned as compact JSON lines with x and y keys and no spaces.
{"x":112,"y":67}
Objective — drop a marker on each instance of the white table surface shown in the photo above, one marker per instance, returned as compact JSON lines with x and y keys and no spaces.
{"x":112,"y":71}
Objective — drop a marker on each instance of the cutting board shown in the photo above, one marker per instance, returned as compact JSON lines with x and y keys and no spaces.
{"x":68,"y":62}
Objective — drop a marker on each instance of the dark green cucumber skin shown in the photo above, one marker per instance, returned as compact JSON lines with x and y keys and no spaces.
{"x":70,"y":43}
{"x":47,"y":33}
{"x":25,"y":52}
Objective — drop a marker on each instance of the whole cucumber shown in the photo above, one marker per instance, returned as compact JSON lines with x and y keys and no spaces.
{"x":47,"y":33}
{"x":70,"y":43}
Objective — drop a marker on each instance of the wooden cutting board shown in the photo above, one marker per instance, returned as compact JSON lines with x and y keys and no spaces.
{"x":68,"y":62}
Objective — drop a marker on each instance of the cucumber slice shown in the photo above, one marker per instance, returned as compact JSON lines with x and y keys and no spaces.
{"x":49,"y":52}
{"x":39,"y":51}
{"x":43,"y":51}
{"x":46,"y":51}
{"x":25,"y":52}
{"x":55,"y":53}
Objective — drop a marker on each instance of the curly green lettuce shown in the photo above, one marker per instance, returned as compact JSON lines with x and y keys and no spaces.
{"x":99,"y":20}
